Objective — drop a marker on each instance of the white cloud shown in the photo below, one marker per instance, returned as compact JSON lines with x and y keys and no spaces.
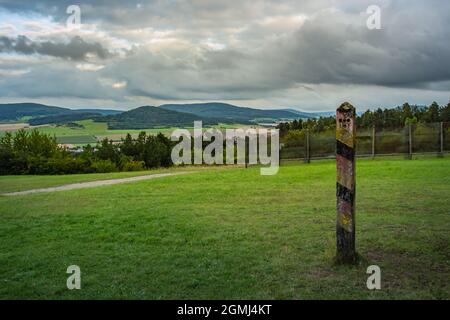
{"x":89,"y":67}
{"x":119,"y":85}
{"x":13,"y":72}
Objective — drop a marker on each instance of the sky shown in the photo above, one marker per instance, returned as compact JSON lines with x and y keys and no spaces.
{"x":309,"y":55}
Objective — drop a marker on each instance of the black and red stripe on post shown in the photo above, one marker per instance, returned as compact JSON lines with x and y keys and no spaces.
{"x":345,"y":183}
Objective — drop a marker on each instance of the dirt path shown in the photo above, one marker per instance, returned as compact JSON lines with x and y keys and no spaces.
{"x":93,"y":184}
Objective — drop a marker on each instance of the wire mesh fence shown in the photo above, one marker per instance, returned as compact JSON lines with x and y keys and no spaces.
{"x":411,"y":139}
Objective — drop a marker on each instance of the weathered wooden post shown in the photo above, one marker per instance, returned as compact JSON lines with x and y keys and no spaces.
{"x":345,"y":184}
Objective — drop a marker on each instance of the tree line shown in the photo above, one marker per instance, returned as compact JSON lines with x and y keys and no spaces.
{"x":33,"y":152}
{"x":380,"y":118}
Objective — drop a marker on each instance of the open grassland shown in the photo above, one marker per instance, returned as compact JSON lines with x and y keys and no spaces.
{"x":233,"y":234}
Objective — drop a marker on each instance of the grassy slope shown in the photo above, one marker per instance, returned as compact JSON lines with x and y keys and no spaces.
{"x":232,"y":234}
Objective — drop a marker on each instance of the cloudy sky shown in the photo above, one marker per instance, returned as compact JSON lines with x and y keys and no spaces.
{"x":310,"y":55}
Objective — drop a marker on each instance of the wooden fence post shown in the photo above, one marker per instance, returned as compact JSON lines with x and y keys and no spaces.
{"x":345,"y":183}
{"x":247,"y":151}
{"x":307,"y":151}
{"x":441,"y":153}
{"x":373,"y":141}
{"x":410,"y":141}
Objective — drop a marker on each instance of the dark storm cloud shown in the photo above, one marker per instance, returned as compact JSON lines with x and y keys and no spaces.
{"x":76,"y":49}
{"x":408,"y":53}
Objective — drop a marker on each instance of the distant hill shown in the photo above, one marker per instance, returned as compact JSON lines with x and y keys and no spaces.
{"x":152,"y":117}
{"x":64,"y":118}
{"x":326,"y":114}
{"x":230,"y":113}
{"x":38,"y":114}
{"x":303,"y":114}
{"x":103,"y":112}
{"x":16,"y":111}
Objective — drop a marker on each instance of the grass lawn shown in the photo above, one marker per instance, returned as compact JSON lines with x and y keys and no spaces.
{"x":233,"y":234}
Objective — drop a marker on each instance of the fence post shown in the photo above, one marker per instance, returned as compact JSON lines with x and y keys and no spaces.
{"x":307,"y":153}
{"x":345,"y":183}
{"x":247,"y":151}
{"x":409,"y":141}
{"x":373,"y":141}
{"x":441,"y":153}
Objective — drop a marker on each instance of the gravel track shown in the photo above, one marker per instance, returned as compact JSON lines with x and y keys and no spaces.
{"x":93,"y":184}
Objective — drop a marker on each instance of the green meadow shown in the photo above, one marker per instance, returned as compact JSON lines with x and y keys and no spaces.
{"x":91,"y":132}
{"x":229,"y":234}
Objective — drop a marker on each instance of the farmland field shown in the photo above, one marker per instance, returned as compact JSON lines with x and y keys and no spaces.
{"x":192,"y":236}
{"x":90,"y":132}
{"x":93,"y":131}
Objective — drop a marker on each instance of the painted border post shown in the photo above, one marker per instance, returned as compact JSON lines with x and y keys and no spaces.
{"x":345,"y":183}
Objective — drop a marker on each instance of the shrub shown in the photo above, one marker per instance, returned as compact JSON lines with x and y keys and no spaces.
{"x":103,"y":166}
{"x":134,"y":166}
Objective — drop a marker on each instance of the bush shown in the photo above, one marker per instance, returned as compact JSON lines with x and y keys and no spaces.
{"x":6,"y":161}
{"x":134,"y":166}
{"x":295,"y":138}
{"x":63,"y":165}
{"x":103,"y":166}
